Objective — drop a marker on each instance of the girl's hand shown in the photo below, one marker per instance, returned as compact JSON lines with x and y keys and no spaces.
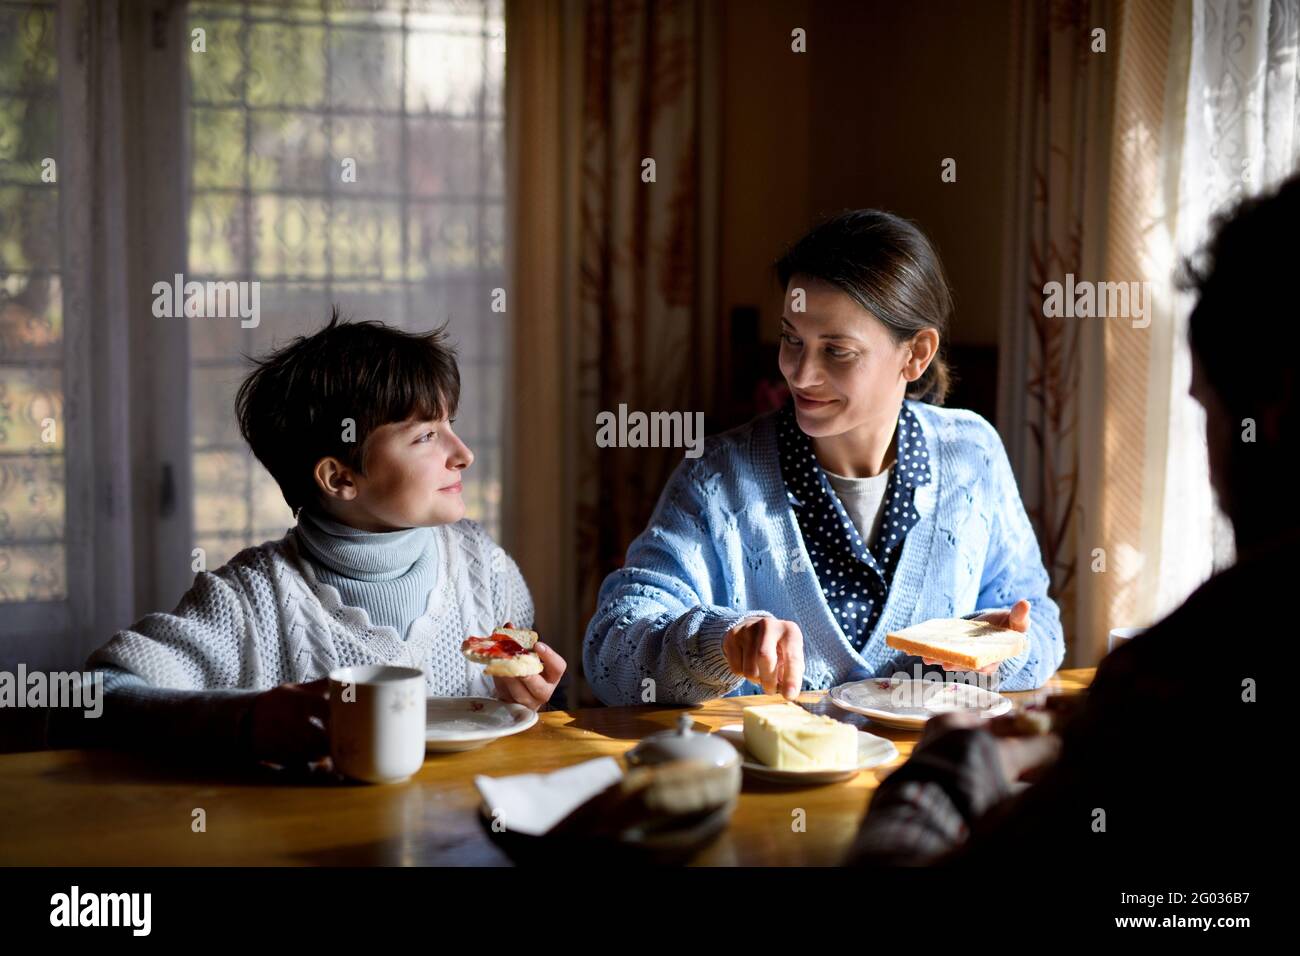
{"x":536,"y":689}
{"x":289,"y":724}
{"x":1016,"y":618}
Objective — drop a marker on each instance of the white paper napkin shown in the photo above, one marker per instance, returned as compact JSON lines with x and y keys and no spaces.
{"x":532,"y":803}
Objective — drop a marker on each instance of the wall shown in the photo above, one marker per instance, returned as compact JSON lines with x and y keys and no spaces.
{"x":864,"y":118}
{"x":767,"y":149}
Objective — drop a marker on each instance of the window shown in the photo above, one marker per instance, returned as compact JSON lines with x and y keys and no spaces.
{"x":351,"y":153}
{"x":33,"y":556}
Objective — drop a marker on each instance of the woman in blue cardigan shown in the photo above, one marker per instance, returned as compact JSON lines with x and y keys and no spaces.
{"x":779,"y":559}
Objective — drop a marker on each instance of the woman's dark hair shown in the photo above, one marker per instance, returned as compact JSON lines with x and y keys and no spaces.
{"x":293,"y":408}
{"x":888,"y":266}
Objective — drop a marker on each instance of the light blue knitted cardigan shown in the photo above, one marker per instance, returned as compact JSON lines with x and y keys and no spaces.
{"x":723,"y":543}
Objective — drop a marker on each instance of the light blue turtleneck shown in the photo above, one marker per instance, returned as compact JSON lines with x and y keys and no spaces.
{"x":389,"y":573}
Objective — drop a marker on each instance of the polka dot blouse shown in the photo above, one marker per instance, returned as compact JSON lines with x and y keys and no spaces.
{"x":854,"y":577}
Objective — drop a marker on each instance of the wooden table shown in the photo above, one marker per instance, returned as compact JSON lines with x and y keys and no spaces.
{"x":90,"y":808}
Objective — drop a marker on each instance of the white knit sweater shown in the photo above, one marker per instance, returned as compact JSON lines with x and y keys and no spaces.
{"x":264,"y":619}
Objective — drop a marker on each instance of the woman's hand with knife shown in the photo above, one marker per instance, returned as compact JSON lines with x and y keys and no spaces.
{"x":769,"y":652}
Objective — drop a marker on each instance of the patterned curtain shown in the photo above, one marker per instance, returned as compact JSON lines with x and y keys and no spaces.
{"x":641,"y":340}
{"x":1049,"y":365}
{"x":612,"y":274}
{"x":1238,"y":134}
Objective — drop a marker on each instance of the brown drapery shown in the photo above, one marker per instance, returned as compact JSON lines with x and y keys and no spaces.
{"x":612,"y":276}
{"x":1062,"y":97}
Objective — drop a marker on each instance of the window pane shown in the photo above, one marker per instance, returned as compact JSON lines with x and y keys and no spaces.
{"x":349,"y":152}
{"x":33,"y":573}
{"x":450,"y":148}
{"x":369,"y":239}
{"x":366,"y":69}
{"x":29,"y":227}
{"x":218,"y":147}
{"x":290,"y":152}
{"x":286,"y":63}
{"x":33,"y":562}
{"x":222,"y":482}
{"x":28,"y":57}
{"x":374,"y":144}
{"x":290,"y":236}
{"x":445,"y":73}
{"x":219,"y":230}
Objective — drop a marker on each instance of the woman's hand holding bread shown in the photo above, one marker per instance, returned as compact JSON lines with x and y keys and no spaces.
{"x":1016,"y":618}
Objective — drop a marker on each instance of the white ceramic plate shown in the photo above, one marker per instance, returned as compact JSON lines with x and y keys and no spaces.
{"x":872,"y":752}
{"x":907,"y":704}
{"x":463,"y":723}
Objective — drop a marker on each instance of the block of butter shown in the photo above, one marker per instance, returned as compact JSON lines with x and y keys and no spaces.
{"x":787,"y":737}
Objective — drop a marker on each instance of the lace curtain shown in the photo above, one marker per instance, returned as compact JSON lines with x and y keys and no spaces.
{"x":1123,"y":158}
{"x":1240,"y":133}
{"x":614,"y":275}
{"x":66,"y":563}
{"x":344,"y":151}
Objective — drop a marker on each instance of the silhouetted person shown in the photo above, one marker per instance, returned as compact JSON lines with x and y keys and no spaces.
{"x":1166,"y":750}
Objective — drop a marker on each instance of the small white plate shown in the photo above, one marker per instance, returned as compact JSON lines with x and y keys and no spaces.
{"x":872,"y":752}
{"x":907,"y":704}
{"x":463,"y":723}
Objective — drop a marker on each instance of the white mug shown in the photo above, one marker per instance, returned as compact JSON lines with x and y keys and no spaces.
{"x":1118,"y":635}
{"x":377,"y":722}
